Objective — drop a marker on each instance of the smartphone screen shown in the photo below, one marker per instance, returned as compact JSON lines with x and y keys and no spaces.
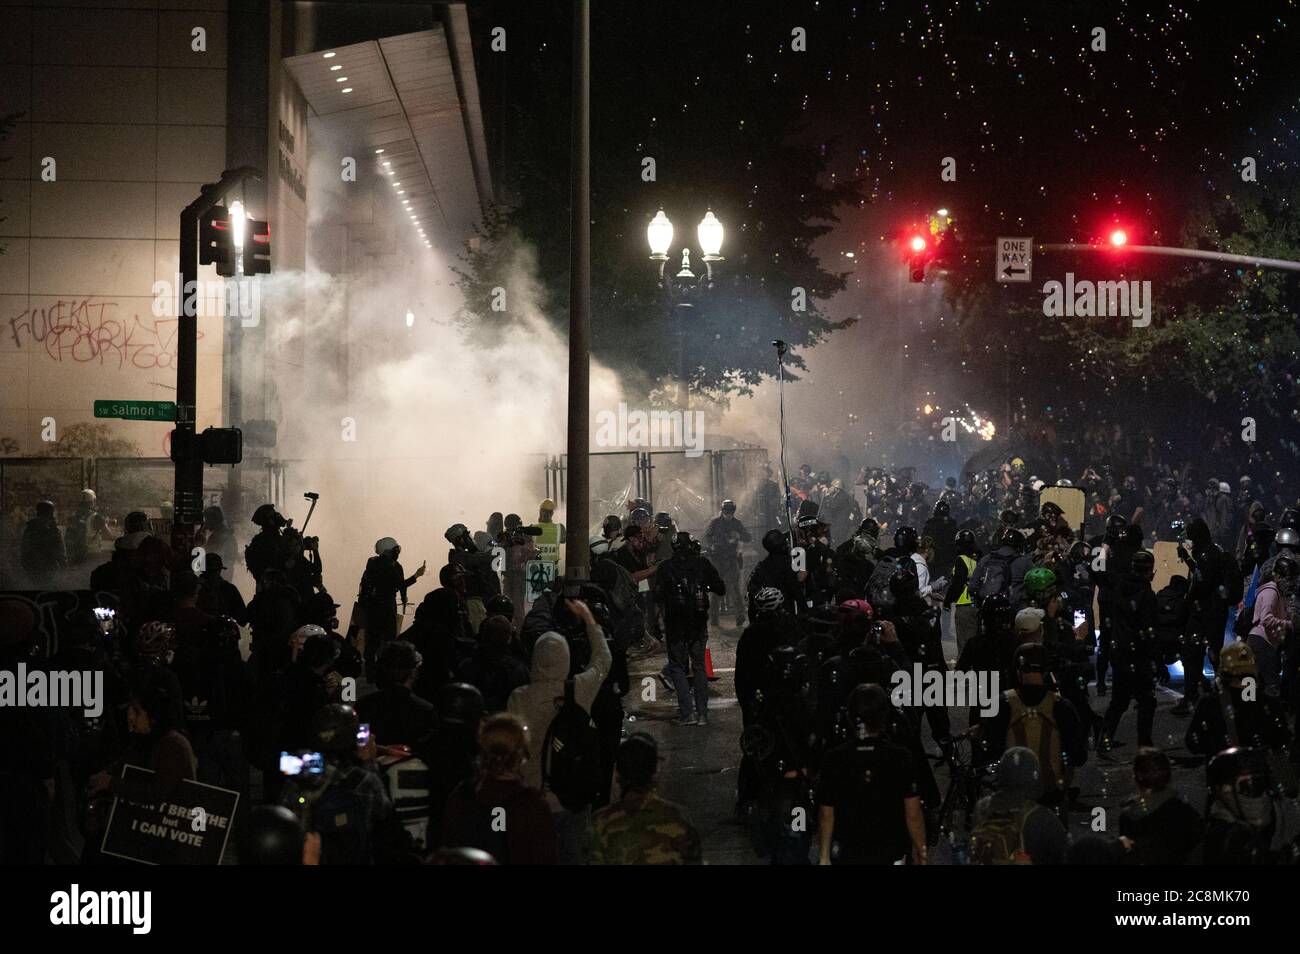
{"x":363,"y":734}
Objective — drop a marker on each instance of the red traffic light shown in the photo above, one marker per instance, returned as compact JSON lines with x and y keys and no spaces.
{"x":918,"y":244}
{"x":1118,"y":238}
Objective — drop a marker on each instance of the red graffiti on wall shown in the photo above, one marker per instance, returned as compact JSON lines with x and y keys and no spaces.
{"x":84,"y":330}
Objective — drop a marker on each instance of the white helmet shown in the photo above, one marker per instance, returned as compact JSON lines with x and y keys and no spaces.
{"x":385,"y":544}
{"x":305,"y":633}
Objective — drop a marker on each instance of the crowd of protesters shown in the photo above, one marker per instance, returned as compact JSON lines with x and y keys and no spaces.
{"x":492,"y":728}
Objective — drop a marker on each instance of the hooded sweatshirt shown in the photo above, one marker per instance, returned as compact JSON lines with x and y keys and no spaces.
{"x":538,"y":702}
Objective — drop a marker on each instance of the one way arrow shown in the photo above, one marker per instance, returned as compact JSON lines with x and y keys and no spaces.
{"x":1014,"y":271}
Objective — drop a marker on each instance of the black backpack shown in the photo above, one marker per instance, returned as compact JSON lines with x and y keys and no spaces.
{"x":571,"y":754}
{"x":997,"y":578}
{"x":687,"y":597}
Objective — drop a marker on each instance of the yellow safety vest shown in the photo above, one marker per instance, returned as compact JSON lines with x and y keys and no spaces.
{"x":964,"y":598}
{"x":548,"y":544}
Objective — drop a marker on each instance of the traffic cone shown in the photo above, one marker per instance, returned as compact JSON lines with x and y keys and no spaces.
{"x":708,"y":665}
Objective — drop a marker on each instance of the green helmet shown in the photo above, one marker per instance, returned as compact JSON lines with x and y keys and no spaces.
{"x":1039,"y":581}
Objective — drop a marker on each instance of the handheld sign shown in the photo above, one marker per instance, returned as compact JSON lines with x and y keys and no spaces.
{"x":192,"y":827}
{"x":538,"y":576}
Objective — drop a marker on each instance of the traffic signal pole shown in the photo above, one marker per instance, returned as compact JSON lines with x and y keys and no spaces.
{"x":1174,"y":251}
{"x":187,"y":496}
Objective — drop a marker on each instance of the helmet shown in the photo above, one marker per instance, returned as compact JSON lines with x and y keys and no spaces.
{"x":88,"y":496}
{"x":942,"y":509}
{"x":807,"y":521}
{"x":1237,"y":659}
{"x":639,"y":516}
{"x":224,"y":632}
{"x":869,"y":527}
{"x":384,"y":544}
{"x":459,"y":703}
{"x":902,"y":583}
{"x":1290,"y":518}
{"x":547,"y":504}
{"x":1010,"y":537}
{"x":1285,"y":567}
{"x":965,"y":540}
{"x":1144,"y":564}
{"x":307,"y":632}
{"x":684,"y":543}
{"x":335,"y":729}
{"x":907,"y":539}
{"x":775,"y":541}
{"x":858,"y":606}
{"x":1031,"y":657}
{"x":1287,"y":538}
{"x":265,"y":515}
{"x":1236,"y":766}
{"x":1130,"y":536}
{"x":996,"y":610}
{"x":728,"y":506}
{"x":155,"y":640}
{"x":768,"y":600}
{"x":271,"y":835}
{"x":457,"y":531}
{"x":663,"y":520}
{"x":1051,"y":509}
{"x":1115,"y":522}
{"x":1039,"y":580}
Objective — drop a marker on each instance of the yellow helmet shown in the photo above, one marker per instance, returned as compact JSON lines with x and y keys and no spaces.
{"x":547,"y":504}
{"x":1236,"y":660}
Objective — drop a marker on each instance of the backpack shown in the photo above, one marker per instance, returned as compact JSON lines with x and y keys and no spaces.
{"x":878,"y":593}
{"x":1035,"y":728}
{"x":407,"y":780}
{"x":997,"y":578}
{"x":1171,"y":620}
{"x":571,"y":754}
{"x":341,"y":816}
{"x":688,"y":600}
{"x":1245,"y":620}
{"x":1000,"y":838}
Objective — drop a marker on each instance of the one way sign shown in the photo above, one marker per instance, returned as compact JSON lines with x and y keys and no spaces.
{"x":1014,"y":260}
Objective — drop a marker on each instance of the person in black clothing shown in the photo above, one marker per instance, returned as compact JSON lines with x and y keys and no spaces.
{"x":682,"y":588}
{"x":43,"y":554}
{"x":217,"y":595}
{"x":451,"y":749}
{"x":774,"y":570}
{"x":822,"y":580}
{"x":1133,"y":609}
{"x":1226,"y":718}
{"x":381,"y":584}
{"x":942,"y":529}
{"x":724,"y":537}
{"x":855,"y":558}
{"x":396,"y":715}
{"x":441,"y":631}
{"x":1109,"y":570}
{"x":482,"y":582}
{"x":1215,"y":585}
{"x":870,"y":806}
{"x":1035,"y":716}
{"x":303,"y":693}
{"x":494,"y":669}
{"x":918,"y":631}
{"x":1157,"y":827}
{"x":273,"y":612}
{"x":1245,"y":822}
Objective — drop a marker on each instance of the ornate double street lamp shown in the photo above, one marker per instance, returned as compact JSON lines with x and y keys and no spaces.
{"x":685,"y":289}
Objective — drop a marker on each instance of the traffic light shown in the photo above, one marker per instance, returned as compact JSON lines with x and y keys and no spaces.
{"x":217,"y":242}
{"x":221,"y":445}
{"x":916,"y":262}
{"x":1118,"y":238}
{"x":257,"y":248}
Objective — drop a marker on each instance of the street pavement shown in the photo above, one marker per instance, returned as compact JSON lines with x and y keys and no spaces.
{"x":699,"y":763}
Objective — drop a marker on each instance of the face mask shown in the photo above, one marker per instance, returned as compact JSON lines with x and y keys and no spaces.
{"x":1255,"y":810}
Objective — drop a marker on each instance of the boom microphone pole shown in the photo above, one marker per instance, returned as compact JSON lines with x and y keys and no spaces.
{"x":785,"y":480}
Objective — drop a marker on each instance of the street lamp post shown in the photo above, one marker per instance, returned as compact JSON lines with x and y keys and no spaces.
{"x":681,"y":291}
